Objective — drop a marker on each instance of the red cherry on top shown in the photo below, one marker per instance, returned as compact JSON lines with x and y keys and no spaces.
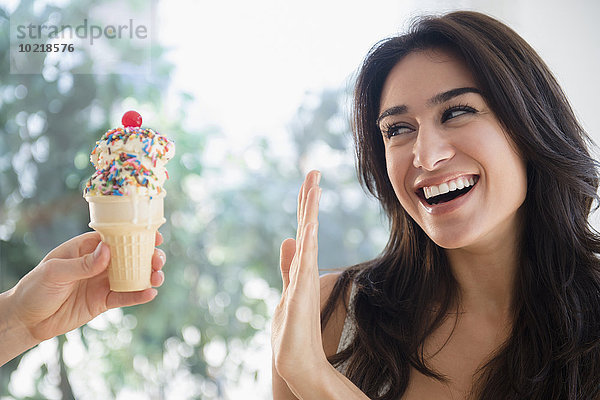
{"x":132,"y":119}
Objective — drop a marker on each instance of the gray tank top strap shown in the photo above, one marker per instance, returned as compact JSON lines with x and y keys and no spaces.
{"x":348,"y":333}
{"x":349,"y":329}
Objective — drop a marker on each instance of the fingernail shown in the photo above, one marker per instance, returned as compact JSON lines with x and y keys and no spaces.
{"x":318,"y":178}
{"x":162,"y":256}
{"x":98,"y":251}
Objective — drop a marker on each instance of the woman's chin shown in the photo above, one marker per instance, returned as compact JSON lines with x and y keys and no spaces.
{"x":451,"y":238}
{"x":450,"y":244}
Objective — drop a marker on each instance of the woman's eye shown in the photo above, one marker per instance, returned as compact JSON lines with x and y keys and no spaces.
{"x":396,"y":130}
{"x":454,"y":112}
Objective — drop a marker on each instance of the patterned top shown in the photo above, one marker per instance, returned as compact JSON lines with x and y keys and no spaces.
{"x":348,"y":334}
{"x":349,"y":330}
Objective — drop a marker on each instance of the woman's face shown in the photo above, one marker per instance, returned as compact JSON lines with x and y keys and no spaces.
{"x":452,"y":166}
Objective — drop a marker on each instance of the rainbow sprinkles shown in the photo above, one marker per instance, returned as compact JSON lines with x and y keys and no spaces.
{"x":129,"y":160}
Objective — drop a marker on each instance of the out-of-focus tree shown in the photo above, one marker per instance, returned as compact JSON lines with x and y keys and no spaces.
{"x":227,"y":212}
{"x":48,"y":124}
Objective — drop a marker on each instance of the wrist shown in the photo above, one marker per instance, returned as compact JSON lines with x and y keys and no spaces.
{"x":325,"y":382}
{"x":299,"y":370}
{"x":315,"y":383}
{"x":15,"y":337}
{"x":307,"y":381}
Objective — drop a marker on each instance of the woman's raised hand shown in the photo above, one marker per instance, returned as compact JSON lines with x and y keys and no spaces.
{"x":296,"y":329}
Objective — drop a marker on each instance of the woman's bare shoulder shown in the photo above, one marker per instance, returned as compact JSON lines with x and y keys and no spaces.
{"x":333,"y":329}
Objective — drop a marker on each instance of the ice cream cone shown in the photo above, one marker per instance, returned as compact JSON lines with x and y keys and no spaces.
{"x":126,"y":196}
{"x":128,"y":224}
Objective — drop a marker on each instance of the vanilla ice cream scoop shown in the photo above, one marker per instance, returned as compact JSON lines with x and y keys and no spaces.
{"x":129,"y":160}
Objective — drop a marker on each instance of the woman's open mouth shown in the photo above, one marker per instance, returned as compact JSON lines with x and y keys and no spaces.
{"x":447,"y":191}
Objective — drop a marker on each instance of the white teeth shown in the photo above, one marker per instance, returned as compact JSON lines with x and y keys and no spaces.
{"x":444,"y":188}
{"x":458,"y":183}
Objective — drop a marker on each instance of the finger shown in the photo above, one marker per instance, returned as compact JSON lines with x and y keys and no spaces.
{"x":286,"y":255}
{"x":124,"y":299}
{"x":159,"y":239}
{"x":311,"y":211}
{"x":158,"y":259}
{"x":88,"y":242}
{"x":312,"y":179}
{"x":311,"y":278}
{"x":310,"y":220}
{"x":309,"y":180}
{"x":157,"y":278}
{"x":308,"y":271}
{"x":299,"y":205}
{"x":75,"y":247}
{"x":74,"y":269}
{"x":300,"y":210}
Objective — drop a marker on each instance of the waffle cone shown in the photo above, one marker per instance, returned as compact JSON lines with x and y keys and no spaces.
{"x":128,"y":225}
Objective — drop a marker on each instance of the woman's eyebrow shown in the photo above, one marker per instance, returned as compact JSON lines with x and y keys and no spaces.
{"x":445,"y":96}
{"x":435,"y":100}
{"x":391,"y":111}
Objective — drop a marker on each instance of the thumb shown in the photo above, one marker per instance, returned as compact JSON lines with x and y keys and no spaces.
{"x":94,"y":263}
{"x":74,"y":269}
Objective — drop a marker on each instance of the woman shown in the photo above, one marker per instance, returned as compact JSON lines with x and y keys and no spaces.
{"x":489,"y":285}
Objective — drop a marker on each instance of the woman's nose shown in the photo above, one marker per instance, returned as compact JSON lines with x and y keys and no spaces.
{"x":431,"y":148}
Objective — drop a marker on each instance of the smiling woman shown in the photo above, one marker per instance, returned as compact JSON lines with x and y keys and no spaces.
{"x":489,"y":285}
{"x":447,"y":137}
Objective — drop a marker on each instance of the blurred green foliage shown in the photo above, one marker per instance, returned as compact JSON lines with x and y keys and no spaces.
{"x":227,"y":213}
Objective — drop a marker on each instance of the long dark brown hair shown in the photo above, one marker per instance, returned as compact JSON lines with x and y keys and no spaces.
{"x":553,"y":351}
